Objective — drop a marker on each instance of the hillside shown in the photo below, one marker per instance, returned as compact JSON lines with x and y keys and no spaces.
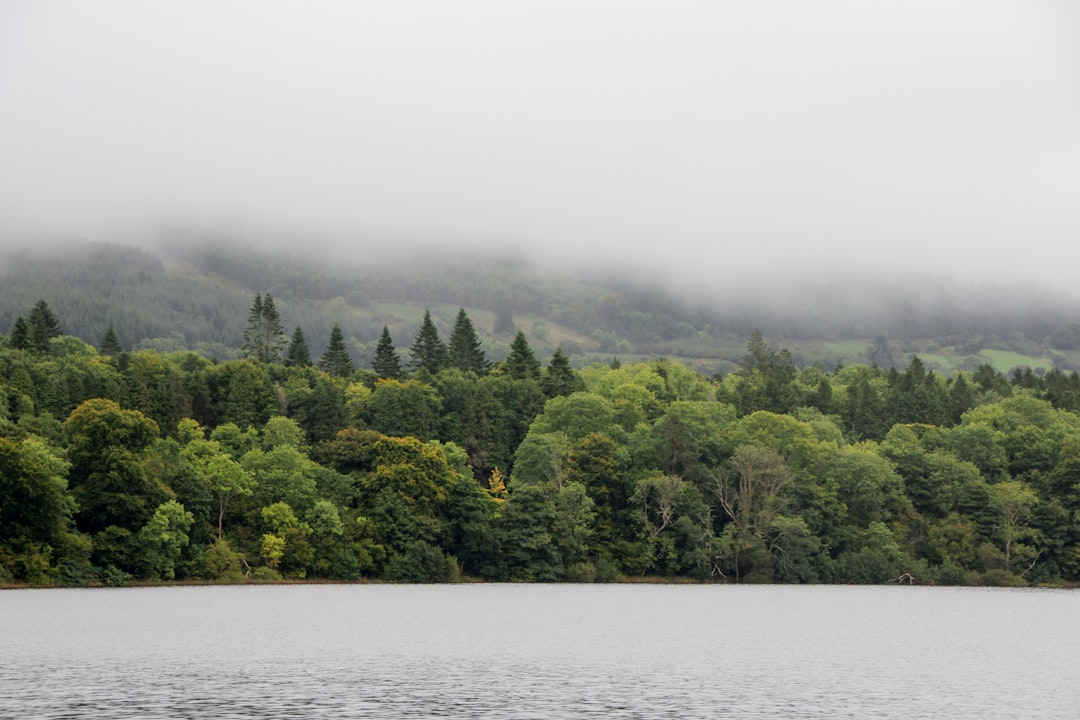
{"x":194,"y":293}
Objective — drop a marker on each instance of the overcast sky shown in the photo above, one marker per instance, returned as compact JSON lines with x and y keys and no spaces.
{"x":695,"y":137}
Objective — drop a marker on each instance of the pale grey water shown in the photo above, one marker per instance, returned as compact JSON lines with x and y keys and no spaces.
{"x":528,"y":651}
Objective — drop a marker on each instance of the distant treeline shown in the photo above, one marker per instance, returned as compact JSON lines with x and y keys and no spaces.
{"x":194,"y":297}
{"x":437,"y":463}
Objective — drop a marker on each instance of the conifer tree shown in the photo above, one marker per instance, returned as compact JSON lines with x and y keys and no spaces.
{"x":264,"y":337}
{"x":386,"y":363}
{"x":465,"y":351}
{"x":560,"y":378}
{"x":20,"y":334}
{"x":110,"y":343}
{"x":44,"y":325}
{"x":522,"y":363}
{"x":298,"y":354}
{"x":428,"y":350}
{"x":336,"y":360}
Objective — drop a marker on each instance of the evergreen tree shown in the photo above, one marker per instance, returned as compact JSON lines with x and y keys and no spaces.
{"x":961,"y":398}
{"x":465,"y":351}
{"x":560,"y":378}
{"x":522,"y":363}
{"x":428,"y":350}
{"x":264,"y":337}
{"x":110,"y":343}
{"x":386,"y":362}
{"x":336,"y":360}
{"x":298,"y":354}
{"x":20,"y":334}
{"x":44,"y":325}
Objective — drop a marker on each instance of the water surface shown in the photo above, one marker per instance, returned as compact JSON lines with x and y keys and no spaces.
{"x":529,"y":651}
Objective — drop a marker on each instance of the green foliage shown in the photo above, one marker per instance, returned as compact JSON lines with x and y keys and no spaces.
{"x":164,"y":538}
{"x":404,"y":408}
{"x":464,"y":352}
{"x":44,"y":325}
{"x":110,"y":482}
{"x":20,"y":334}
{"x":336,"y":360}
{"x":522,"y":364}
{"x":386,"y":363}
{"x":428,"y":350}
{"x":264,"y":337}
{"x":146,"y":465}
{"x":298,"y":354}
{"x":559,"y":378}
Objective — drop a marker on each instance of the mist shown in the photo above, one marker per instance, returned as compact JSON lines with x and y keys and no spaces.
{"x":707,"y":146}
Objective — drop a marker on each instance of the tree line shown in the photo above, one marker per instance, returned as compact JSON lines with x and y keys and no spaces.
{"x":117,"y":466}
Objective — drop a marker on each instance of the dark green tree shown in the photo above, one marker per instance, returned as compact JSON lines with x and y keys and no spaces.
{"x":109,"y":479}
{"x":961,"y":398}
{"x":560,"y":378}
{"x":336,"y":360}
{"x":865,"y":412}
{"x":44,"y":325}
{"x":522,"y":363}
{"x":264,"y":337}
{"x":110,"y":343}
{"x":20,"y":334}
{"x":465,"y":351}
{"x":386,"y":363}
{"x":428,"y":350}
{"x":298,"y":354}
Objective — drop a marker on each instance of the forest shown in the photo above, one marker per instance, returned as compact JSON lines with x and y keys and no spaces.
{"x":191,"y":291}
{"x":438,"y":462}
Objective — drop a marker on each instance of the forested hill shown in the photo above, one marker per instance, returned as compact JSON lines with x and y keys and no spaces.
{"x":196,"y":294}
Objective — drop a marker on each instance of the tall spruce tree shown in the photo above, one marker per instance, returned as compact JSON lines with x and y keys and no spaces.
{"x":20,"y":334}
{"x":264,"y":337}
{"x":386,"y":363}
{"x":336,"y":360}
{"x":521,"y":363}
{"x":44,"y":325}
{"x":465,"y":351}
{"x":110,"y":343}
{"x":298,"y":354}
{"x":560,"y":378}
{"x":428,"y":350}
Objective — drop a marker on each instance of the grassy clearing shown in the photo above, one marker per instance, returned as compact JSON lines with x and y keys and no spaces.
{"x":1005,"y":360}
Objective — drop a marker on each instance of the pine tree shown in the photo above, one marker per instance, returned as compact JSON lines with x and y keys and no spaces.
{"x":44,"y":325}
{"x":522,"y":363}
{"x":336,"y":360}
{"x":264,"y":337}
{"x":298,"y":354}
{"x":428,"y":350}
{"x":110,"y":343}
{"x":20,"y":334}
{"x":465,"y":351}
{"x":560,"y":378}
{"x":386,"y":363}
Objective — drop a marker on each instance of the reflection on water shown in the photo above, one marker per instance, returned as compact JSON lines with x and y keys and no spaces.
{"x":501,"y":651}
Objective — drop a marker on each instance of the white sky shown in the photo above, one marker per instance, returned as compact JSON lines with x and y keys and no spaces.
{"x":700,"y":139}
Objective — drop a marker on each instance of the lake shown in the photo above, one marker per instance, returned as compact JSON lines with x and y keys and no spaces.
{"x":539,"y":651}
